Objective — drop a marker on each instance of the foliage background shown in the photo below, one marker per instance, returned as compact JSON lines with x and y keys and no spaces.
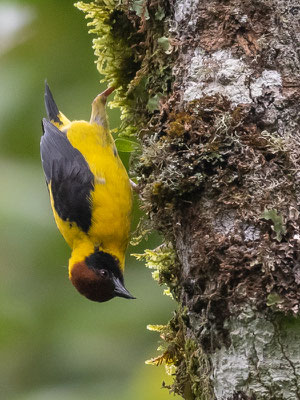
{"x":54,"y":344}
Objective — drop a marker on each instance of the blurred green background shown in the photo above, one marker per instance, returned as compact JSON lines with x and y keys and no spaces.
{"x":55,"y":344}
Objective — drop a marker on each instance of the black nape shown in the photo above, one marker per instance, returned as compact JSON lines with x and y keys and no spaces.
{"x":102,"y":260}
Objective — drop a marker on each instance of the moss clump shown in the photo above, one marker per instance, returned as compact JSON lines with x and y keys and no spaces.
{"x":188,"y":152}
{"x":114,"y":37}
{"x":208,"y":153}
{"x":164,"y":263}
{"x":179,"y":123}
{"x":183,"y":358}
{"x":205,"y":144}
{"x":114,"y":47}
{"x":130,"y":55}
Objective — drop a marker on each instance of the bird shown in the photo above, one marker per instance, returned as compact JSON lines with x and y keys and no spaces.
{"x":90,"y":196}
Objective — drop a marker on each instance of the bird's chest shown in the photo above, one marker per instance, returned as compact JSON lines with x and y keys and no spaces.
{"x":111,"y":207}
{"x":110,"y":200}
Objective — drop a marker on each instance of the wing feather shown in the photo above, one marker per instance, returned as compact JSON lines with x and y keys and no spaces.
{"x":69,"y":176}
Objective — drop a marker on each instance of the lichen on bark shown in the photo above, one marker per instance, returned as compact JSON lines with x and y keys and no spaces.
{"x":213,"y":95}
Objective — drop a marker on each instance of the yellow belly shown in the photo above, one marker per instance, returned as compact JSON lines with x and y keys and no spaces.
{"x":111,"y":199}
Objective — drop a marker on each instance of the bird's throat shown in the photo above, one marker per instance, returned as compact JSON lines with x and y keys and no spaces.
{"x":79,"y":253}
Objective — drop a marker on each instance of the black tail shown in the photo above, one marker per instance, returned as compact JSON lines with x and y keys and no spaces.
{"x":51,"y":107}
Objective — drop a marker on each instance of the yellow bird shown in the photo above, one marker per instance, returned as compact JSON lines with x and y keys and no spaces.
{"x":91,"y":197}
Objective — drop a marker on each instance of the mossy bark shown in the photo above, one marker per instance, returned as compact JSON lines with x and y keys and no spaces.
{"x":217,"y":91}
{"x":224,"y":187}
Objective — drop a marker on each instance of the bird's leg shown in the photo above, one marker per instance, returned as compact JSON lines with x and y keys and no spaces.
{"x":106,"y":92}
{"x":134,"y":186}
{"x":98,"y":108}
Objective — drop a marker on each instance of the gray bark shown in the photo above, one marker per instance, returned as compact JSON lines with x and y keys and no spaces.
{"x":233,"y":166}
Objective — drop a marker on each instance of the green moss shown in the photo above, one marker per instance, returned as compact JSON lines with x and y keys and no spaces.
{"x":113,"y":46}
{"x":189,"y":152}
{"x":277,"y":223}
{"x":164,"y":263}
{"x":181,"y":354}
{"x":183,"y":358}
{"x":273,"y":299}
{"x":130,"y":54}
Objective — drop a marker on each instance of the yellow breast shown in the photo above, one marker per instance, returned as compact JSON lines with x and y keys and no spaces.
{"x":111,"y":200}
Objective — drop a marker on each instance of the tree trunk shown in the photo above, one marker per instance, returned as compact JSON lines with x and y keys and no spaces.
{"x":214,"y":95}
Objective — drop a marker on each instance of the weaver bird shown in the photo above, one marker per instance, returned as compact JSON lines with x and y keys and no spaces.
{"x":91,"y":197}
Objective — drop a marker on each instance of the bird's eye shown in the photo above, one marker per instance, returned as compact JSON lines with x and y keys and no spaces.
{"x":103,"y":273}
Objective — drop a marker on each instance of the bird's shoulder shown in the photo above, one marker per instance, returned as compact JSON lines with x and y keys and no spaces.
{"x":97,"y":146}
{"x":68,"y":176}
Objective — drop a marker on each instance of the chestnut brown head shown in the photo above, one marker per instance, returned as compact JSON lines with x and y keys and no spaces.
{"x":99,"y":278}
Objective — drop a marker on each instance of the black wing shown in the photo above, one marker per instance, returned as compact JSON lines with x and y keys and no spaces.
{"x":51,"y":107}
{"x":68,"y":173}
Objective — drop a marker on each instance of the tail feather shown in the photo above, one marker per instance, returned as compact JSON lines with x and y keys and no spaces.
{"x":51,"y":107}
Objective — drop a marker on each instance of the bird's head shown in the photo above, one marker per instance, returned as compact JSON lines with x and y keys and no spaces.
{"x":99,"y":277}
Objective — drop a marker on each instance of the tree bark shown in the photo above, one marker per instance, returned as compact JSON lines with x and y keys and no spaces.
{"x":219,"y":177}
{"x":238,"y":238}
